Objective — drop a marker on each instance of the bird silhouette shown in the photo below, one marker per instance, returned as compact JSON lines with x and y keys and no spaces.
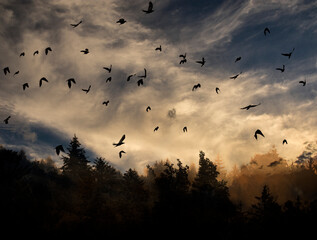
{"x":22,"y":54}
{"x":70,"y":81}
{"x":25,"y":85}
{"x":303,"y":82}
{"x":36,"y":52}
{"x":202,"y":61}
{"x":129,"y":77}
{"x":59,"y":149}
{"x":185,"y":129}
{"x":148,"y":108}
{"x":140,"y":82}
{"x":274,"y":163}
{"x":121,"y":152}
{"x":106,"y":103}
{"x":159,"y":48}
{"x":48,"y":49}
{"x":196,"y":86}
{"x":76,"y":24}
{"x":217,"y":90}
{"x":288,"y":54}
{"x":17,"y":72}
{"x":108,"y":68}
{"x":144,"y":76}
{"x":258,"y":131}
{"x":149,"y":9}
{"x":6,"y":70}
{"x":85,"y":51}
{"x":266,"y":30}
{"x":108,"y":79}
{"x":183,"y":55}
{"x":121,"y":21}
{"x":285,"y":141}
{"x":235,"y":76}
{"x":6,"y":121}
{"x":120,"y":141}
{"x":41,"y":81}
{"x":250,"y":106}
{"x":281,"y":69}
{"x":237,"y":59}
{"x":156,"y":128}
{"x":182,"y":61}
{"x":87,"y":90}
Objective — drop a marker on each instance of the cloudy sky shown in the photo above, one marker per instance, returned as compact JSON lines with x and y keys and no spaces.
{"x":219,"y":31}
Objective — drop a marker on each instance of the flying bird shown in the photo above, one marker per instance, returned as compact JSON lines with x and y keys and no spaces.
{"x":285,"y":141}
{"x":258,"y":132}
{"x":288,"y":54}
{"x":76,"y":24}
{"x":106,"y":103}
{"x":48,"y":49}
{"x":129,"y":77}
{"x":108,"y":68}
{"x":25,"y":85}
{"x":17,"y":72}
{"x":196,"y":86}
{"x":121,"y":21}
{"x":303,"y":82}
{"x":183,"y":55}
{"x":202,"y":62}
{"x":274,"y":163}
{"x":85,"y":51}
{"x":159,"y":48}
{"x":70,"y":81}
{"x":41,"y":81}
{"x":87,"y":90}
{"x":22,"y":54}
{"x":156,"y":128}
{"x":59,"y":149}
{"x":237,"y":59}
{"x":183,"y":61}
{"x":250,"y":106}
{"x":121,"y":152}
{"x":6,"y":70}
{"x":217,"y":90}
{"x":281,"y":69}
{"x":266,"y":30}
{"x":140,"y":82}
{"x":120,"y":141}
{"x":149,"y":9}
{"x":185,"y":129}
{"x":148,"y":108}
{"x":144,"y":76}
{"x":36,"y":52}
{"x":235,"y":76}
{"x":108,"y":79}
{"x":6,"y":121}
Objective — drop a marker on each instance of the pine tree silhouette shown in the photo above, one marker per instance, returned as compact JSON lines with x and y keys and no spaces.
{"x":76,"y":163}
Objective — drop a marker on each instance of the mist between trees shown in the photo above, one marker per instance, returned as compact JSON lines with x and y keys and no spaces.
{"x":267,"y":195}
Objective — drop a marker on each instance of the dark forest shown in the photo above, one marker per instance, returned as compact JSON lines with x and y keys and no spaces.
{"x":94,"y":199}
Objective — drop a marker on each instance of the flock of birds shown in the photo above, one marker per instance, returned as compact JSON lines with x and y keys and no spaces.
{"x":140,"y":82}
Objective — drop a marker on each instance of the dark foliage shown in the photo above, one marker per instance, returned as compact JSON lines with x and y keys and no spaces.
{"x":97,"y":200}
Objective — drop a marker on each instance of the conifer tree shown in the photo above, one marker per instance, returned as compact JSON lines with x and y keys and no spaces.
{"x":76,"y":162}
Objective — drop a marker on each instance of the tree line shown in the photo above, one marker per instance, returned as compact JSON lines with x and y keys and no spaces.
{"x":83,"y":199}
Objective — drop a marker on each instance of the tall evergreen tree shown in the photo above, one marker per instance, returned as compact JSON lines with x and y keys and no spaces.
{"x":76,"y":163}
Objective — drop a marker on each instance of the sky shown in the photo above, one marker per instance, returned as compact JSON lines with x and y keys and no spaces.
{"x":220,"y":31}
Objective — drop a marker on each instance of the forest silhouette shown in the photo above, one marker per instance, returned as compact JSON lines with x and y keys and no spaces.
{"x":94,"y":199}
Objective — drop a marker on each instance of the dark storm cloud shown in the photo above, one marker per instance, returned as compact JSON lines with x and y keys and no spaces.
{"x":34,"y":16}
